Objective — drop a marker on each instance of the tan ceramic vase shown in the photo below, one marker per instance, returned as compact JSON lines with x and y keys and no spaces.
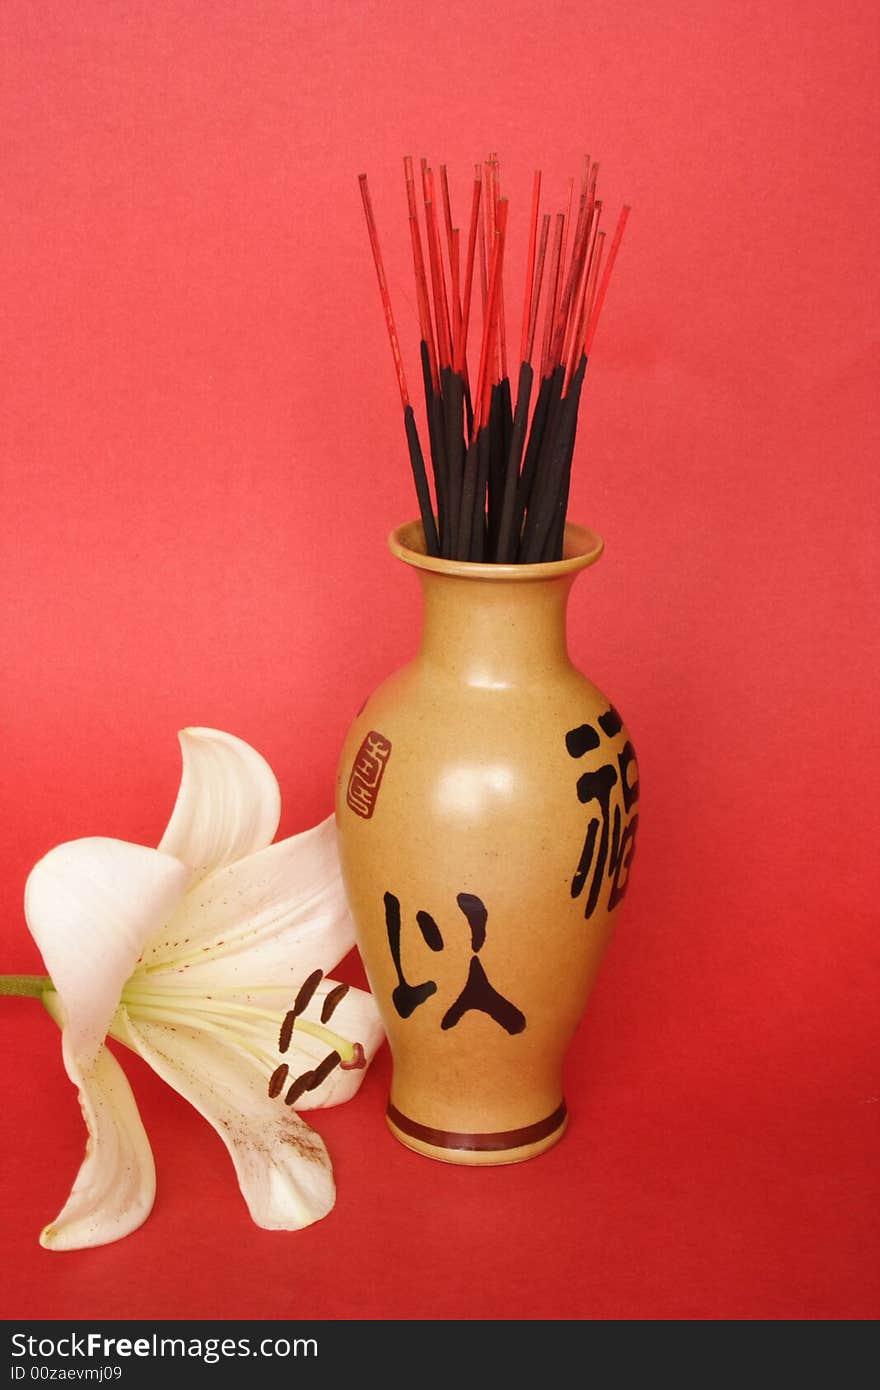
{"x":487,"y":807}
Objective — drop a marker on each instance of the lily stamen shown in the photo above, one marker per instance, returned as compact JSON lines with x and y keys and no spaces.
{"x":348,"y":1051}
{"x":322,"y":1071}
{"x":306,"y":990}
{"x":242,"y":1017}
{"x":277,"y":1080}
{"x":300,"y":1086}
{"x":334,"y":998}
{"x":286,"y":1032}
{"x":154,"y":1013}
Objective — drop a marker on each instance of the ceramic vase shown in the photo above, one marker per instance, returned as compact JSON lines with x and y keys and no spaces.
{"x":487,"y":807}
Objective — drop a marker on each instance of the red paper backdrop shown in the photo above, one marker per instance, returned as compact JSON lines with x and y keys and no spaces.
{"x":202,"y":456}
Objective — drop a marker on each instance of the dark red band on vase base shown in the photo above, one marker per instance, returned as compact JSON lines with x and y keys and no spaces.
{"x":492,"y":1142}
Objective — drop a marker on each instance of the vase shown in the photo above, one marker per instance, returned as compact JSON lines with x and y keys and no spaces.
{"x":487,"y":807}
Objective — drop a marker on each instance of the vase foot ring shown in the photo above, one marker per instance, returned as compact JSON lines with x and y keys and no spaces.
{"x":496,"y":1147}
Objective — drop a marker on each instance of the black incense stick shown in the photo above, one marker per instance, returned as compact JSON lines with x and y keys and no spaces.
{"x":542,"y":510}
{"x":421,"y":481}
{"x":453,"y":388}
{"x":436,"y":439}
{"x":504,"y":550}
{"x":540,"y":433}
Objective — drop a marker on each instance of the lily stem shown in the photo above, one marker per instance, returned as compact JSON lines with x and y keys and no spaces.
{"x":27,"y":986}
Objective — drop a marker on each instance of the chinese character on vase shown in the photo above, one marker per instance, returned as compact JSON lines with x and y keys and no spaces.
{"x":477,"y":993}
{"x":366,"y":774}
{"x":610,"y":840}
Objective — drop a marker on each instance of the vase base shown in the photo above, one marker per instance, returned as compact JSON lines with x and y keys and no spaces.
{"x":492,"y":1148}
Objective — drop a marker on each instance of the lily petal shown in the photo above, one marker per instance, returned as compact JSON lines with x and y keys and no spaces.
{"x":91,"y":906}
{"x":275,"y":916}
{"x":116,"y":1184}
{"x":282,"y":1165}
{"x":228,"y":804}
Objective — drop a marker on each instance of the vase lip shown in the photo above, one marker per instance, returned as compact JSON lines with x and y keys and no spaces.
{"x":581,"y":548}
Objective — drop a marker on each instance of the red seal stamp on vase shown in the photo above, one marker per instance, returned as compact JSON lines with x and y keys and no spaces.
{"x":367,"y":773}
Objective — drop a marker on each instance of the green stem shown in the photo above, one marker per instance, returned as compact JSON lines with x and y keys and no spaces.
{"x":28,"y":986}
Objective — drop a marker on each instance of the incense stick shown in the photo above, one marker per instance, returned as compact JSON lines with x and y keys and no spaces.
{"x":412,"y":438}
{"x":501,"y":475}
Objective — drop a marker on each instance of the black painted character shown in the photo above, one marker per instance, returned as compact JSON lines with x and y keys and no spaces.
{"x":478,"y":992}
{"x":610,"y":843}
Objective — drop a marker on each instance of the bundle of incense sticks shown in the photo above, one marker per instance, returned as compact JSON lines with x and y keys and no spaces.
{"x":500,"y":469}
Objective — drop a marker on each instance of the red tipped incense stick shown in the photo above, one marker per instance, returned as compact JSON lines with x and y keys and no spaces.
{"x":490,"y":327}
{"x":435,"y":260}
{"x":383,"y":291}
{"x":606,"y":276}
{"x":469,"y":273}
{"x":547,"y":363}
{"x":536,"y":293}
{"x":422,"y":298}
{"x":415,"y":451}
{"x":530,"y":267}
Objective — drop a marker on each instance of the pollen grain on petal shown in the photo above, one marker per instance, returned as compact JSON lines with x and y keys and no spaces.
{"x":304,"y":1140}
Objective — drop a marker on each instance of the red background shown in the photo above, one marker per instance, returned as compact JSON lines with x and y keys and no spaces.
{"x":202,"y":456}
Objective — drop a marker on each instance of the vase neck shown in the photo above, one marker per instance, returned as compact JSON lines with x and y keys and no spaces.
{"x":494,"y":632}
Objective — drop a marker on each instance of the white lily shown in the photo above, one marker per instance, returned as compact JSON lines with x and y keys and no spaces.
{"x":208,"y":957}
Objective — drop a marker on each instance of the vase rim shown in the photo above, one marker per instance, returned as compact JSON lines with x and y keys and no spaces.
{"x":581,"y":548}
